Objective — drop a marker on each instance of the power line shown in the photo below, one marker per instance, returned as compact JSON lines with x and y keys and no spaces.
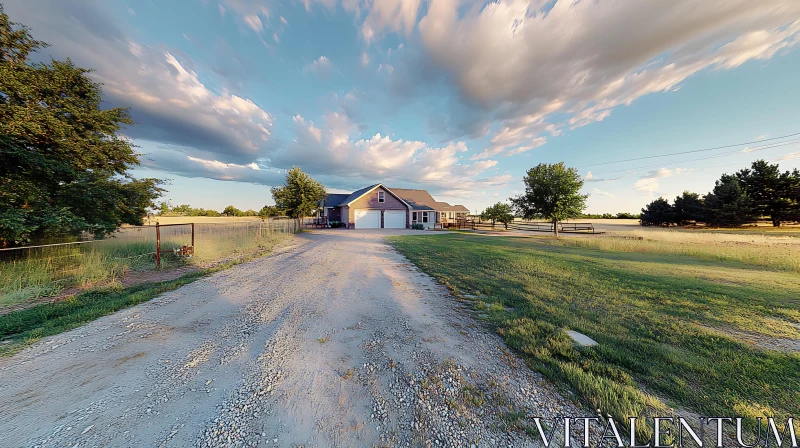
{"x":690,"y":152}
{"x":757,"y":148}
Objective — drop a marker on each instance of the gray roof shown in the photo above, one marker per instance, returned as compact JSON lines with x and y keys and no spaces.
{"x":445,"y":207}
{"x":357,"y":194}
{"x":334,"y":199}
{"x":417,"y":199}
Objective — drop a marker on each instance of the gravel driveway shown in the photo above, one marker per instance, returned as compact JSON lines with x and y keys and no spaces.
{"x":337,"y":341}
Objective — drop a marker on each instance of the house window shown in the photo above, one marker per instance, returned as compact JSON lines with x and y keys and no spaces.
{"x":424,"y":216}
{"x":381,"y":197}
{"x":413,"y":216}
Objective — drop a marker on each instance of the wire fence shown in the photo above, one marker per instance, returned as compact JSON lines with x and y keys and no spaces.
{"x":40,"y":270}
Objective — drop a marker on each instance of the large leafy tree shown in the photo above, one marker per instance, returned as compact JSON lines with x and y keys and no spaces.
{"x":552,"y":192}
{"x":63,"y":168}
{"x":729,"y":204}
{"x":772,"y":192}
{"x":269,"y":211}
{"x":500,"y":212}
{"x":300,"y":195}
{"x":657,"y":213}
{"x":232,"y":211}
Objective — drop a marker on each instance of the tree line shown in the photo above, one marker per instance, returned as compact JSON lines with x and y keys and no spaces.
{"x":621,"y":215}
{"x":297,"y":198}
{"x":761,"y":191}
{"x":164,"y":209}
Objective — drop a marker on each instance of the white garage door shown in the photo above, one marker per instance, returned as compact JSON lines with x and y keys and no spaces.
{"x":367,"y":219}
{"x":394,"y":219}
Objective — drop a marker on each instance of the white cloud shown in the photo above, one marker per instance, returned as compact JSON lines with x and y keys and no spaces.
{"x":283,"y":21}
{"x":389,"y":15}
{"x":789,"y":156}
{"x":659,"y":173}
{"x":252,"y":13}
{"x":330,"y":150}
{"x":364,"y":58}
{"x":321,"y":67}
{"x":581,"y":59}
{"x":176,"y":160}
{"x":649,"y":182}
{"x":522,"y":134}
{"x":603,"y":193}
{"x":167,"y":100}
{"x":254,"y":22}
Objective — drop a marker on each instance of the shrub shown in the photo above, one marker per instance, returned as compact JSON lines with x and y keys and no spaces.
{"x":336,"y":224}
{"x":418,"y":226}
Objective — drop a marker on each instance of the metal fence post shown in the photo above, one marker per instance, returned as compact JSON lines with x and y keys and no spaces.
{"x":192,"y":237}
{"x":158,"y":246}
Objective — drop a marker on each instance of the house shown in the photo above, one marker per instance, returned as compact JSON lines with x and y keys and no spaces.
{"x":381,"y":207}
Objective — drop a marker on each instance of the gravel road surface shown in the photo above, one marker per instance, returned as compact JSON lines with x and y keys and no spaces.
{"x":336,"y":341}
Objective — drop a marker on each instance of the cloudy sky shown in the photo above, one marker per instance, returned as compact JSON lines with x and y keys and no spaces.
{"x":457,"y":97}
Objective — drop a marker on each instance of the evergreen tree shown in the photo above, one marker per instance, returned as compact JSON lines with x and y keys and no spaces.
{"x":658,"y":213}
{"x":771,"y":192}
{"x":689,"y":207}
{"x":728,"y":204}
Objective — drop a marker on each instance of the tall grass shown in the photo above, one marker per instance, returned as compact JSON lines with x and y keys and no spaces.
{"x":47,"y":271}
{"x":779,"y":252}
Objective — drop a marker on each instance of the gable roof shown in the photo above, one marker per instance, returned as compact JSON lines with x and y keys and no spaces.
{"x":334,"y":199}
{"x":416,"y":199}
{"x":359,"y":193}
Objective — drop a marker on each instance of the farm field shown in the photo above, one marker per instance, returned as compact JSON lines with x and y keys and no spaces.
{"x":30,"y":275}
{"x":707,"y":323}
{"x":615,"y":226}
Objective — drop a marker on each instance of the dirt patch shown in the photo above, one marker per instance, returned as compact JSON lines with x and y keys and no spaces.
{"x":759,"y":340}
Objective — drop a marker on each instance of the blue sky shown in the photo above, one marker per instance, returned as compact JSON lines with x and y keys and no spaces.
{"x":456,"y":97}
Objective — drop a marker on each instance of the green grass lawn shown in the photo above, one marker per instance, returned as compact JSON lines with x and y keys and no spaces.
{"x":663,"y":321}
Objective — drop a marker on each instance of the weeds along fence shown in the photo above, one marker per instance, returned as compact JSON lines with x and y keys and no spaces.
{"x":42,"y":270}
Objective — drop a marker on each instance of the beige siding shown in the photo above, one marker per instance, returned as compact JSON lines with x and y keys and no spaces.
{"x":346,"y":214}
{"x":370,"y":201}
